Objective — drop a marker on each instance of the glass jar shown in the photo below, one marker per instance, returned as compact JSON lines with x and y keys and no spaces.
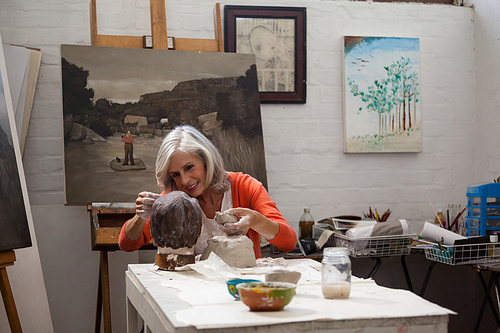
{"x":306,"y":223}
{"x":336,"y":273}
{"x":439,"y":220}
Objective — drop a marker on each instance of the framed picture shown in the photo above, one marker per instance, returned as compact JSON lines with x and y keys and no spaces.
{"x":381,"y":83}
{"x":277,"y":37}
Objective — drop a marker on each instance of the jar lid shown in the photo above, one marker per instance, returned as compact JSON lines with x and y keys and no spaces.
{"x":335,"y":251}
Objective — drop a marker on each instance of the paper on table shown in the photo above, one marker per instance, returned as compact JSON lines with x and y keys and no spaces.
{"x":214,"y":268}
{"x":435,"y":233}
{"x":366,"y":301}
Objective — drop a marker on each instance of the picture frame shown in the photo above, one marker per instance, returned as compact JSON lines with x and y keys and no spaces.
{"x":277,"y":36}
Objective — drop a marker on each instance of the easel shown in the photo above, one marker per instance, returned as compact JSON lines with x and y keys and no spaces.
{"x":106,"y":219}
{"x":158,"y":32}
{"x":7,"y":259}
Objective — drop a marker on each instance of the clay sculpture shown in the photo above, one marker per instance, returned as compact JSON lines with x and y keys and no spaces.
{"x":175,"y":226}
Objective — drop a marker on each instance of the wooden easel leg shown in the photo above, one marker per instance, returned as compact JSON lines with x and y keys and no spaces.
{"x":103,"y":296}
{"x":8,"y":301}
{"x":106,"y":303}
{"x":98,"y":311}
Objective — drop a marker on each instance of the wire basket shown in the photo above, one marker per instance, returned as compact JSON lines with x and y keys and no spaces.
{"x":463,"y":254}
{"x":379,"y":246}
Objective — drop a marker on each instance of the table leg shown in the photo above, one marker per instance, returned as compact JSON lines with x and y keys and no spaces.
{"x":375,"y":268}
{"x":407,"y":275}
{"x":132,"y":322}
{"x":427,"y":277}
{"x":487,"y":291}
{"x":487,"y":298}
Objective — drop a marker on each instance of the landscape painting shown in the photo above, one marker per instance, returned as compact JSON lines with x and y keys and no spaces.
{"x":120,"y":103}
{"x":381,"y":84}
{"x":14,"y":227}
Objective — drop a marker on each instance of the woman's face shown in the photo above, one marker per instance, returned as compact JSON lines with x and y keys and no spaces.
{"x":188,"y":172}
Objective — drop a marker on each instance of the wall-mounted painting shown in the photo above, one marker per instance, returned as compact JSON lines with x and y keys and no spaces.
{"x":14,"y":228}
{"x":381,"y":83}
{"x":277,"y":37}
{"x":119,"y":104}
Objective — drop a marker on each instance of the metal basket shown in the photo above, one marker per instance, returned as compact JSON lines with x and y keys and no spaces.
{"x":379,"y":246}
{"x":463,"y":254}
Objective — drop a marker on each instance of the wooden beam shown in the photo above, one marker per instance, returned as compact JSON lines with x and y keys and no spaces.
{"x":158,"y":24}
{"x":93,"y":23}
{"x":7,"y":259}
{"x":119,"y":41}
{"x":218,"y":28}
{"x":193,"y":44}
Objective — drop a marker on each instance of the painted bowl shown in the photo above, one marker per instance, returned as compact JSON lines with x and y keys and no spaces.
{"x":266,"y":296}
{"x":231,"y":286}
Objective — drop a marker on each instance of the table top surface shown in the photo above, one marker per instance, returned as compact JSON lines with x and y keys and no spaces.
{"x":199,"y":298}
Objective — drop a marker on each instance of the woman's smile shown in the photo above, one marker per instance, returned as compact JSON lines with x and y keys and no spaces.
{"x":192,"y":187}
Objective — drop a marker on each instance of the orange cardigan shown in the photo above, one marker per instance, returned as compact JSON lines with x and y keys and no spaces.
{"x":247,"y":192}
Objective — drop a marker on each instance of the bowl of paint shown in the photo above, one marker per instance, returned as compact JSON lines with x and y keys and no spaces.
{"x":231,"y":286}
{"x":266,"y":296}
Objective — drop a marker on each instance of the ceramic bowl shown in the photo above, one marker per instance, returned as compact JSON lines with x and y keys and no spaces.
{"x":231,"y":285}
{"x":266,"y":296}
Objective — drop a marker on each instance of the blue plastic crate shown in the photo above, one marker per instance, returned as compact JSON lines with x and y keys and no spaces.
{"x":483,"y":209}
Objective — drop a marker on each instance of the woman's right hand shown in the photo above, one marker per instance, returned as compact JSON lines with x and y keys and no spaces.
{"x":144,"y":204}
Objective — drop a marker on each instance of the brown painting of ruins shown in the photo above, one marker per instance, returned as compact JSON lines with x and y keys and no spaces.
{"x":108,"y":92}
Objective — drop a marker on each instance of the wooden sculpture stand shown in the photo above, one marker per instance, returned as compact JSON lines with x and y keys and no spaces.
{"x":7,"y":259}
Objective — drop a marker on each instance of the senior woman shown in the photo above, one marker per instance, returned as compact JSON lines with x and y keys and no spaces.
{"x":187,"y":161}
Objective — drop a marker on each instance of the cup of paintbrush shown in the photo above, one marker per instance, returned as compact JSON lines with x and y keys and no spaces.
{"x":450,"y":226}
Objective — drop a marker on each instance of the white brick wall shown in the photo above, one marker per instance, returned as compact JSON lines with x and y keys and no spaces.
{"x":487,"y":32}
{"x":304,"y":143}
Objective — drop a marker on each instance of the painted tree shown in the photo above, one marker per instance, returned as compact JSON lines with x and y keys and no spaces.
{"x":406,"y":83}
{"x":391,"y":97}
{"x":378,"y":98}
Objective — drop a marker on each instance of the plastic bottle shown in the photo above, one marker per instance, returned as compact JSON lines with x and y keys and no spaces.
{"x":441,"y":217}
{"x":306,"y":223}
{"x":336,"y":273}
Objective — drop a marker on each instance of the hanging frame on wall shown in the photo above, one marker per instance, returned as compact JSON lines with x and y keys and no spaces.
{"x":277,"y":37}
{"x":381,"y":83}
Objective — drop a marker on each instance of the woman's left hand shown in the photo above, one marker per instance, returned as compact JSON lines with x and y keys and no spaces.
{"x":250,"y":219}
{"x":241,"y":227}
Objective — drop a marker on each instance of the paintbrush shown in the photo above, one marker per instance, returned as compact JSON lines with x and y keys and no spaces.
{"x":439,"y":219}
{"x":456,"y":218}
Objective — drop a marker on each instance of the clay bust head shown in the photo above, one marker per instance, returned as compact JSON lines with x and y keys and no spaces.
{"x":176,"y":220}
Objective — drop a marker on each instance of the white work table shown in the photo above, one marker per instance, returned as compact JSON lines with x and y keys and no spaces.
{"x":187,"y":301}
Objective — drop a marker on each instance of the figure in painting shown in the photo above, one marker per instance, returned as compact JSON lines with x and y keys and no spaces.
{"x":129,"y":148}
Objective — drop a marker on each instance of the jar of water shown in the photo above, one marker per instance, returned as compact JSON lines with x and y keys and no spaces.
{"x":336,"y":273}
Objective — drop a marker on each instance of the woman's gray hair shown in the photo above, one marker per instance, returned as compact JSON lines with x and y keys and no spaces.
{"x":187,"y":139}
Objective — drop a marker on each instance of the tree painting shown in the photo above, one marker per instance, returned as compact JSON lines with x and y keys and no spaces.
{"x":381,"y":95}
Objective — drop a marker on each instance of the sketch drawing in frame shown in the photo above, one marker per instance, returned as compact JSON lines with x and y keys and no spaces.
{"x":277,"y":37}
{"x":120,"y":103}
{"x":381,"y":81}
{"x":14,"y":203}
